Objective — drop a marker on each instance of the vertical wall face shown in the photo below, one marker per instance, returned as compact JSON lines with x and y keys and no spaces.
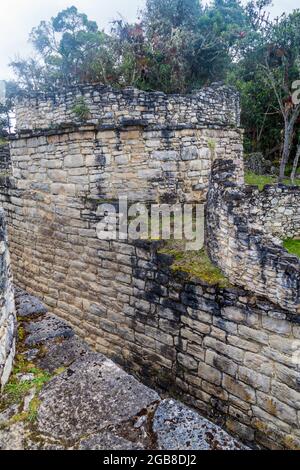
{"x":159,"y":166}
{"x":4,"y":157}
{"x":214,"y":106}
{"x":7,"y":308}
{"x":241,"y":224}
{"x":229,"y":353}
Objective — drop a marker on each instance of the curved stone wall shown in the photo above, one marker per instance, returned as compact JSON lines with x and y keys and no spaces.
{"x":7,"y":307}
{"x":216,"y":105}
{"x":277,"y":209}
{"x":240,"y":227}
{"x":231,"y":353}
{"x":4,"y":157}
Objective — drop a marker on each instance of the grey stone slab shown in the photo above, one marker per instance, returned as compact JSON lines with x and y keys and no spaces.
{"x":91,"y":395}
{"x":29,"y":306}
{"x":180,"y":428}
{"x":48,"y":328}
{"x":61,"y":353}
{"x":12,"y":438}
{"x":108,"y":441}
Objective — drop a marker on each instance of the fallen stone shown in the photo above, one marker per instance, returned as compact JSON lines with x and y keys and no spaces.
{"x":18,"y":292}
{"x":25,"y":377}
{"x":8,"y":413}
{"x":179,"y":428}
{"x":28,"y":399}
{"x":91,"y":395}
{"x":49,"y":327}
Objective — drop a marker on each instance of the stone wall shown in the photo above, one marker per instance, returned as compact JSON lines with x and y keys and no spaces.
{"x":7,"y":311}
{"x":231,"y":353}
{"x":277,"y":210}
{"x":161,"y":166}
{"x":150,"y":146}
{"x":4,"y":157}
{"x":216,"y":105}
{"x":241,"y":223}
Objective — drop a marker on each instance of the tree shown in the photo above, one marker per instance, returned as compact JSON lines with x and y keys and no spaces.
{"x":186,"y":45}
{"x":268,"y":66}
{"x":178,"y":45}
{"x":281,"y":69}
{"x":6,"y":108}
{"x":67,"y":48}
{"x":296,"y":161}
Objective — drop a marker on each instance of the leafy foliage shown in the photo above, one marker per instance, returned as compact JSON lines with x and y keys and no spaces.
{"x":5,"y":111}
{"x":81,"y":109}
{"x":177,"y":45}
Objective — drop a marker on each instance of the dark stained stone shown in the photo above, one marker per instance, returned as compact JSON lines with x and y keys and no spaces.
{"x":28,"y":305}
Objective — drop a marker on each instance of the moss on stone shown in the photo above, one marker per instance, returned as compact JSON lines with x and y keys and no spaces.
{"x":292,"y":246}
{"x":194,"y":263}
{"x":59,"y":370}
{"x":21,"y":333}
{"x":16,"y":389}
{"x":262,"y":180}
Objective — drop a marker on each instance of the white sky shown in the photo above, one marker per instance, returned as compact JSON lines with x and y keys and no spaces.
{"x":18,"y":17}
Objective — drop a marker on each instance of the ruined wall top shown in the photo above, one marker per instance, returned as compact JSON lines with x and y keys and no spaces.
{"x":242,"y":230}
{"x":214,"y":106}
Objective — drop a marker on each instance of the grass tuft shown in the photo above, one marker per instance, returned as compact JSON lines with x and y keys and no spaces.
{"x":194,"y":263}
{"x":292,"y":246}
{"x":16,"y":390}
{"x":261,"y":180}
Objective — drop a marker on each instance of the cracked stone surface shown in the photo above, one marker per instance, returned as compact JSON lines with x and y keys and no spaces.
{"x":28,"y":305}
{"x":83,"y":399}
{"x":14,"y":438}
{"x":91,"y":403}
{"x":179,"y":427}
{"x":48,"y":328}
{"x":107,"y":440}
{"x":61,"y":352}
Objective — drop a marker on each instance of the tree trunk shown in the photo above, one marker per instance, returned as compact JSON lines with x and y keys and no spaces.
{"x":295,"y":165}
{"x":288,"y":133}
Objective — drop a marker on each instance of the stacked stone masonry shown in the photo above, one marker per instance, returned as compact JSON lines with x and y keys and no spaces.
{"x":212,"y":106}
{"x":7,"y":308}
{"x":242,"y":224}
{"x":148,"y":145}
{"x":4,"y":157}
{"x":276,"y":210}
{"x":230,"y":353}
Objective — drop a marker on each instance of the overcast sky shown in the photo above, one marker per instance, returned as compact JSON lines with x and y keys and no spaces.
{"x":20,"y":16}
